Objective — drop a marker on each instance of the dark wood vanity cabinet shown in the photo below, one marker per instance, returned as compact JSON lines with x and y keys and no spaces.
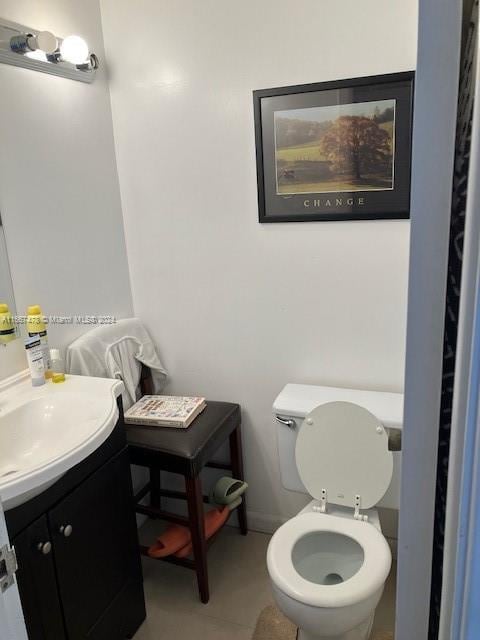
{"x":38,"y":584}
{"x":79,"y":570}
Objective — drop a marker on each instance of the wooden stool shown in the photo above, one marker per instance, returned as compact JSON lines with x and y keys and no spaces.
{"x":187,"y":452}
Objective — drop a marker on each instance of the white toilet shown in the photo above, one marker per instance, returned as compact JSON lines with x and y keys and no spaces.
{"x":328,"y":564}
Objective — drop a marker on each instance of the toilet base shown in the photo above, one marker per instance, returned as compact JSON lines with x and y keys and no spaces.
{"x":362,"y":632}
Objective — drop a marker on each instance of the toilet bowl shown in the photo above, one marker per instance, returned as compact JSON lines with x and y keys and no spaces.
{"x":328,"y":573}
{"x":328,"y":564}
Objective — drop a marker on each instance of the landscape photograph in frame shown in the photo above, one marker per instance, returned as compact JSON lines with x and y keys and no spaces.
{"x":335,"y":150}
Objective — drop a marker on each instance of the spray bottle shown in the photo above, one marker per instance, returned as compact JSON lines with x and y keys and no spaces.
{"x":36,"y":327}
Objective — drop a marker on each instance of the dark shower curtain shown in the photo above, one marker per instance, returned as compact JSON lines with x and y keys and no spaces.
{"x":454,"y":275}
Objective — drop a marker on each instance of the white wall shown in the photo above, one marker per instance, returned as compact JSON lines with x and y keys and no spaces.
{"x":238,"y":308}
{"x":59,"y":193}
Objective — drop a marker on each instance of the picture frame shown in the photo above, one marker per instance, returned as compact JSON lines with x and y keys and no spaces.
{"x":337,"y":150}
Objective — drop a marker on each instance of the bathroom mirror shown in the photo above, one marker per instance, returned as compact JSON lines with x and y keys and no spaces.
{"x":6,"y":287}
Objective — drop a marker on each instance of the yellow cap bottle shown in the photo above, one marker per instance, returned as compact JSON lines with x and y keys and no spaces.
{"x":36,"y":326}
{"x":7,"y":328}
{"x":35,"y":320}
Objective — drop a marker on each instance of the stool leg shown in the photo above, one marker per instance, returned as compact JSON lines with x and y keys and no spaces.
{"x":236,"y":459}
{"x":197,"y":529}
{"x":155,"y":499}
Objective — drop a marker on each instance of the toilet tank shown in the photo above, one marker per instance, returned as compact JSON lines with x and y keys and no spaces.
{"x":295,"y":401}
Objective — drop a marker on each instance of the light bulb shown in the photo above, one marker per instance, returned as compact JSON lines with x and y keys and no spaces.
{"x":74,"y":49}
{"x":46,"y":42}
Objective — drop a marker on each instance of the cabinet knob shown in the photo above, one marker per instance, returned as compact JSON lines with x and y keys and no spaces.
{"x":66,"y":530}
{"x":44,"y":547}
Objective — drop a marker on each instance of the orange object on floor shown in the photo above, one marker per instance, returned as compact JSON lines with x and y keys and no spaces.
{"x":214,"y":519}
{"x":172,"y":539}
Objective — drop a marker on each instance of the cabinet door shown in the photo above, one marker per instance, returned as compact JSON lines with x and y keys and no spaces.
{"x":37,"y":583}
{"x":97,"y":557}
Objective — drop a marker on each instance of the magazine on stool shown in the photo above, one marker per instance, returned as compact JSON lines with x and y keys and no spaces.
{"x":165,"y":411}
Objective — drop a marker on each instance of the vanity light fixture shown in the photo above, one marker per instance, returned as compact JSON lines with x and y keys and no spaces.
{"x":43,"y":41}
{"x":70,"y":57}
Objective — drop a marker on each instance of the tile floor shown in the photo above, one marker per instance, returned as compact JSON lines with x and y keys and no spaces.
{"x":239,"y":590}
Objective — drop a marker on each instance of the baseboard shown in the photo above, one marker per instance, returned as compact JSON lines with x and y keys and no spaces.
{"x":393,"y":544}
{"x":264,"y":523}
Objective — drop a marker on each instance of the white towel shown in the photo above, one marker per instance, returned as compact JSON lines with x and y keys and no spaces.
{"x":117,"y":351}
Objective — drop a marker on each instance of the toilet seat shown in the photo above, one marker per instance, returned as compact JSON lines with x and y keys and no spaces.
{"x":342,"y":455}
{"x":366,"y":581}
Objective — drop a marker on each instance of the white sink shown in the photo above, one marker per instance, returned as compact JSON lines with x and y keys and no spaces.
{"x":45,"y":431}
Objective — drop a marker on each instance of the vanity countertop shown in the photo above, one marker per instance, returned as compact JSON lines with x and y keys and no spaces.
{"x":45,"y":431}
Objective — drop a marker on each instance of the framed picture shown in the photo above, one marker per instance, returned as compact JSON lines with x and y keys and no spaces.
{"x":335,"y":150}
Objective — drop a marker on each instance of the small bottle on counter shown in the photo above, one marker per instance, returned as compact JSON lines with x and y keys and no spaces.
{"x":56,"y":361}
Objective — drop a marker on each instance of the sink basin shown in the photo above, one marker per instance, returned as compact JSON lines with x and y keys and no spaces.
{"x":45,"y":431}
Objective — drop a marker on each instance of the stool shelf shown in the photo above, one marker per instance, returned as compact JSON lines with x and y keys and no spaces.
{"x":187,"y":452}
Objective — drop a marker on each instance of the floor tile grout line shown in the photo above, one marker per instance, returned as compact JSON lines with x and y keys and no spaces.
{"x":193,"y":613}
{"x":199,"y":612}
{"x":236,"y":624}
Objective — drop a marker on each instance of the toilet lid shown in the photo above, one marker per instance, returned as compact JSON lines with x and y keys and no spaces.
{"x":343,"y":448}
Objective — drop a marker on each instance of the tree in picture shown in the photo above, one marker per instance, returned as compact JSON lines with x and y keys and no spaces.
{"x":356,"y":145}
